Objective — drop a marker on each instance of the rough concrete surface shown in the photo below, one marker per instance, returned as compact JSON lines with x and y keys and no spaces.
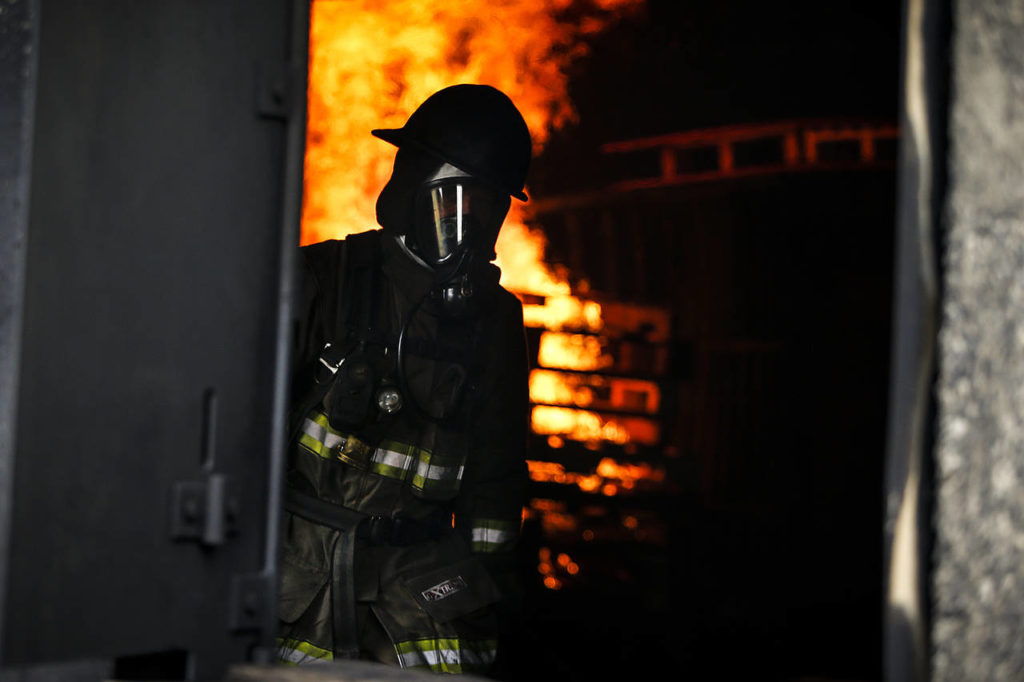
{"x":978,"y":579}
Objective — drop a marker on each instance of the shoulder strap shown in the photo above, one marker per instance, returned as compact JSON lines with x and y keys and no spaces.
{"x":355,"y":318}
{"x":358,"y":265}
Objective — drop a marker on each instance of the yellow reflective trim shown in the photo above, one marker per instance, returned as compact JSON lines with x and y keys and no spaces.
{"x":315,"y":433}
{"x":491,"y":535}
{"x":422,"y":469}
{"x":319,"y":438}
{"x":312,"y":444}
{"x":299,"y":652}
{"x":494,"y":535}
{"x":447,"y":655}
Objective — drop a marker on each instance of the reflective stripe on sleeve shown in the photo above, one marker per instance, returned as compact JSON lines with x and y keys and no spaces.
{"x":422,"y":469}
{"x":393,"y":460}
{"x":494,"y":535}
{"x":429,"y":472}
{"x":318,"y":436}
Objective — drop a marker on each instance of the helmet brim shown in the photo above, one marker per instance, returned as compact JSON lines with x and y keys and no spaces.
{"x":399,"y":138}
{"x":391,"y":135}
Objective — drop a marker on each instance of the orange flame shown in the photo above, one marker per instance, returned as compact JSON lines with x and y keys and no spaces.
{"x":591,"y":428}
{"x":372,"y":63}
{"x":572,"y":351}
{"x":608,"y":478}
{"x":590,"y":390}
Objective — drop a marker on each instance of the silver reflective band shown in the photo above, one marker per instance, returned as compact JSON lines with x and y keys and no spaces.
{"x":298,"y":652}
{"x":300,"y":658}
{"x":423,"y":467}
{"x":390,"y":458}
{"x":434,"y":472}
{"x":414,"y":465}
{"x":431,"y":657}
{"x":447,"y":657}
{"x":322,"y":434}
{"x":492,"y":536}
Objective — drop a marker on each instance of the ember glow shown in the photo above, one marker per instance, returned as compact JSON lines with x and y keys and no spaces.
{"x":589,"y":523}
{"x":594,"y":391}
{"x":607,"y":478}
{"x":592,"y":428}
{"x":572,"y":351}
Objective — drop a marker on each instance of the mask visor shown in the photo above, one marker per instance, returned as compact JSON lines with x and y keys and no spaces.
{"x":451,"y":214}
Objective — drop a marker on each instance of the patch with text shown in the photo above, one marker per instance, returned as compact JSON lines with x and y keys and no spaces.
{"x":444,"y":589}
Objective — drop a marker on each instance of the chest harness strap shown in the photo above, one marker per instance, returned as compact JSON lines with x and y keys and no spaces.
{"x":360,"y":266}
{"x":361,"y":260}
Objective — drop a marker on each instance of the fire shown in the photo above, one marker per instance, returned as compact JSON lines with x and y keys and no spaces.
{"x":588,"y":523}
{"x":594,"y":391}
{"x":572,"y":351}
{"x":553,"y":388}
{"x":608,"y":478}
{"x":591,"y":427}
{"x":580,"y":425}
{"x":372,"y":63}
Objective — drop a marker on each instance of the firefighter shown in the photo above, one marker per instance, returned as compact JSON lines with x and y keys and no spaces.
{"x":406,"y":468}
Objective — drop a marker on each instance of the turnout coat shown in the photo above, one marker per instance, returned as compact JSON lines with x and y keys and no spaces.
{"x":400,"y":527}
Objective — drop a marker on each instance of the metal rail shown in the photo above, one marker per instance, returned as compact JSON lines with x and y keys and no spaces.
{"x":800,"y":145}
{"x":724,"y":153}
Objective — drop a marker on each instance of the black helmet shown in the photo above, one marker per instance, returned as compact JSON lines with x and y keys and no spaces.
{"x":475,"y":128}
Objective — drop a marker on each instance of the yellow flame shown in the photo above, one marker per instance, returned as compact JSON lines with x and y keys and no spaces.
{"x":586,"y":390}
{"x":608,"y":477}
{"x":372,"y":63}
{"x":554,"y":388}
{"x":564,"y":312}
{"x":521,"y":259}
{"x":572,"y":351}
{"x":579,"y":425}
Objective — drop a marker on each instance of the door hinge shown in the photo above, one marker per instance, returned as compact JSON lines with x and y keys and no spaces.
{"x":206,"y":511}
{"x":250,"y":601}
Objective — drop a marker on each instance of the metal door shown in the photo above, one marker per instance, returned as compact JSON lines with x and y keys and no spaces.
{"x":153,"y":311}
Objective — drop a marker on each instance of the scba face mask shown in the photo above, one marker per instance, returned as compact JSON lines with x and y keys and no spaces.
{"x":453,"y":213}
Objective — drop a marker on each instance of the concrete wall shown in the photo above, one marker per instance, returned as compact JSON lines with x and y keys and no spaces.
{"x":978,"y":574}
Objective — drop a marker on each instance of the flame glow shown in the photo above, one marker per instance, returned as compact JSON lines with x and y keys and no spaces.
{"x":579,"y":425}
{"x":372,"y":63}
{"x":572,"y":351}
{"x":607,"y":478}
{"x":592,"y":428}
{"x":591,"y":390}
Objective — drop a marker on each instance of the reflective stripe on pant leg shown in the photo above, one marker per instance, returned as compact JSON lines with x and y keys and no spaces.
{"x":299,"y":652}
{"x":448,"y":655}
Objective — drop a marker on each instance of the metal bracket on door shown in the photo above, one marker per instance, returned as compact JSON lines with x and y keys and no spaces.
{"x":205,"y":511}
